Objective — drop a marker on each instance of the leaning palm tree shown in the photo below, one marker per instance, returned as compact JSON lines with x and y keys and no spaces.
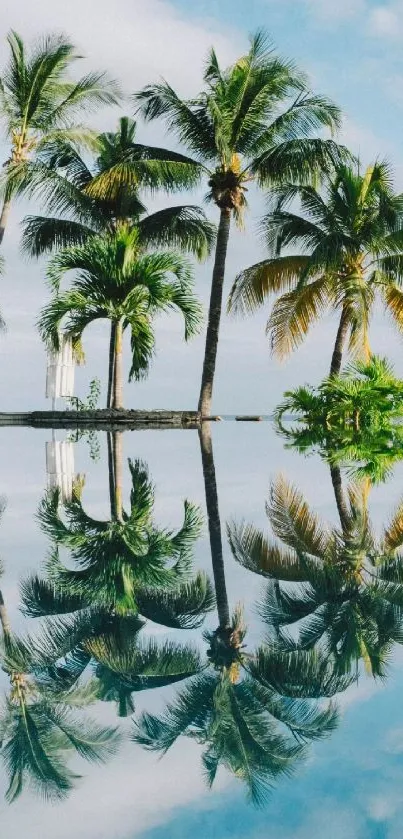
{"x":350,"y":246}
{"x":253,"y":712}
{"x":254,"y":120}
{"x":346,"y":595}
{"x":39,"y":104}
{"x":116,"y":281}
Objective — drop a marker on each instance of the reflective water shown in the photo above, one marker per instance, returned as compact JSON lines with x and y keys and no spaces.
{"x":269,"y":673}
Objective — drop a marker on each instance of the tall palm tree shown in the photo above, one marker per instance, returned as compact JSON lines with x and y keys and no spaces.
{"x":253,"y":712}
{"x":63,"y":186}
{"x":39,"y":104}
{"x":350,"y":246}
{"x":347,"y":596}
{"x":116,"y":281}
{"x":254,"y":120}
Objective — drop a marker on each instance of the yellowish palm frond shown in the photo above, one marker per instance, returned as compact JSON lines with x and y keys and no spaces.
{"x":393,"y":297}
{"x":366,"y":657}
{"x":293,"y":315}
{"x":359,"y":345}
{"x":254,"y":285}
{"x":366,"y":183}
{"x":393,"y":534}
{"x":254,"y":551}
{"x":294,"y":523}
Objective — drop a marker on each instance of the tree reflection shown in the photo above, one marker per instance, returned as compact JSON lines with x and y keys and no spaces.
{"x":124,"y":570}
{"x":253,"y":711}
{"x":337,"y":589}
{"x":41,"y":724}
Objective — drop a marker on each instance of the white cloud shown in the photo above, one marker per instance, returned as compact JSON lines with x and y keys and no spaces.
{"x":136,"y":40}
{"x":383,"y":807}
{"x":386,"y":21}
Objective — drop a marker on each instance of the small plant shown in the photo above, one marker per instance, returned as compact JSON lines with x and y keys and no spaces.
{"x":89,"y":404}
{"x":74,"y":403}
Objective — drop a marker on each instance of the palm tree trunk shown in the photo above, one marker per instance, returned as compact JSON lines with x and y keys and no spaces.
{"x":118,"y":472}
{"x":342,"y":507}
{"x":111,"y":474}
{"x":214,"y":524}
{"x":111,"y":369}
{"x":339,"y":343}
{"x":118,"y":377}
{"x":4,"y":619}
{"x":214,"y":315}
{"x":4,"y":217}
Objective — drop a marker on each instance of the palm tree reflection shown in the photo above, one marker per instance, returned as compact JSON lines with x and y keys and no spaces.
{"x":337,"y":589}
{"x":253,"y":711}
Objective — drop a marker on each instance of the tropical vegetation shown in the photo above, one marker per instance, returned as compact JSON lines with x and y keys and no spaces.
{"x":349,"y":240}
{"x":335,"y":589}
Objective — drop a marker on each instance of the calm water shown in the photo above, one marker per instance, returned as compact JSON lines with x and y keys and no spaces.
{"x":347,"y":785}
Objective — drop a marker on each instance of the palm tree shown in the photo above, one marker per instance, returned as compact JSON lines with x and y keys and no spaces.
{"x":64,"y":185}
{"x":117,"y":282}
{"x":254,"y":120}
{"x":253,"y":712}
{"x":39,"y":724}
{"x":126,"y":564}
{"x":124,"y":568}
{"x":347,"y":596}
{"x":65,"y":188}
{"x":350,"y":242}
{"x":39,"y":104}
{"x":39,"y":729}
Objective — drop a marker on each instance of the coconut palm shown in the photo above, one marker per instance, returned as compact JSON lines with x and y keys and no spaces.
{"x":39,"y":104}
{"x":40,"y":723}
{"x":350,"y":246}
{"x":347,"y":596}
{"x":254,"y":120}
{"x":117,"y":282}
{"x":64,"y":186}
{"x":94,"y":648}
{"x":253,"y":712}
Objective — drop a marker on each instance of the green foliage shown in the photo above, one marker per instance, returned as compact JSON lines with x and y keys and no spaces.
{"x":336,"y":590}
{"x":89,"y":404}
{"x":353,"y":420}
{"x":349,"y":235}
{"x":39,"y":102}
{"x":116,"y":281}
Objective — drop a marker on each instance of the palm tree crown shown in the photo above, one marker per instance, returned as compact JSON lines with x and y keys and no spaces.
{"x":351,"y":246}
{"x":39,"y":103}
{"x":117,"y":282}
{"x":65,"y":185}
